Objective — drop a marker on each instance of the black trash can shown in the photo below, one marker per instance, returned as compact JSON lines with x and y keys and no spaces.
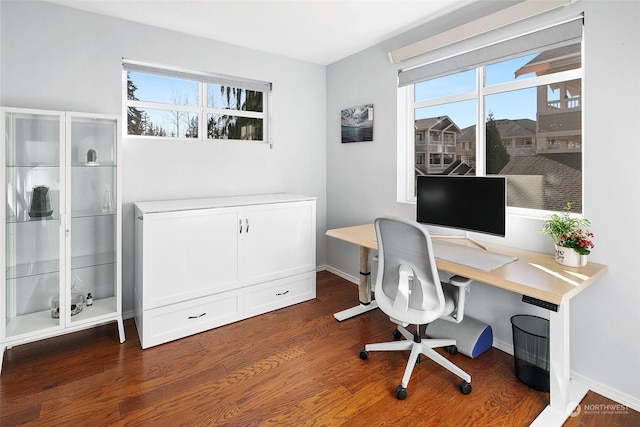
{"x":531,"y":350}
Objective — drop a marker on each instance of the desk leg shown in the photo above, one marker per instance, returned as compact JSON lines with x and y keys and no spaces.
{"x":364,"y":287}
{"x":565,"y":394}
{"x":364,"y":290}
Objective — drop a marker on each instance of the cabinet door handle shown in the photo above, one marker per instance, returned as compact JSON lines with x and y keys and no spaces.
{"x":198,"y":316}
{"x":240,"y":226}
{"x":247,"y":221}
{"x":282,"y":293}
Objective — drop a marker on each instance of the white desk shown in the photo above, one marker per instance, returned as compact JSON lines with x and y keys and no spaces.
{"x":534,"y":274}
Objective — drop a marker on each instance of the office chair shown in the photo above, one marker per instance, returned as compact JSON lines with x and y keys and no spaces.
{"x":409,"y":291}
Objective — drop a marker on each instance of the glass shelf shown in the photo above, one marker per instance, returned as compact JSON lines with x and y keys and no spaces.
{"x":96,"y":165}
{"x":24,"y":217}
{"x":93,"y":260}
{"x":32,"y":248}
{"x":53,"y":266}
{"x":33,"y":269}
{"x":92,"y":213}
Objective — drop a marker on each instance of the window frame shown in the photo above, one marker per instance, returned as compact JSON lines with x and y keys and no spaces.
{"x":406,"y":117}
{"x":202,"y":109}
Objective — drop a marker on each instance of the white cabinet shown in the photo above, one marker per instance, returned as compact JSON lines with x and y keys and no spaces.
{"x":62,"y":224}
{"x":203,"y":263}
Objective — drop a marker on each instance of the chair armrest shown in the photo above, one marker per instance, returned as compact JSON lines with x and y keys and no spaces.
{"x":460,"y":284}
{"x":460,"y":281}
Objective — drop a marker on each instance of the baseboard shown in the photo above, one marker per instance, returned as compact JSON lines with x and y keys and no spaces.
{"x":608,"y":392}
{"x":596,"y":387}
{"x":342,"y":274}
{"x":504,"y":346}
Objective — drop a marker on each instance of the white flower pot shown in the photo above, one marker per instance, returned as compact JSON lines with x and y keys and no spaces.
{"x":569,"y":257}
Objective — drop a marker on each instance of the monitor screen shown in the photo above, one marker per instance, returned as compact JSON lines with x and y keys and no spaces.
{"x":470,"y":203}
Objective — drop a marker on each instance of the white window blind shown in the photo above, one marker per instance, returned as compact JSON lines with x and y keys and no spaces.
{"x":556,"y":36}
{"x":220,"y":79}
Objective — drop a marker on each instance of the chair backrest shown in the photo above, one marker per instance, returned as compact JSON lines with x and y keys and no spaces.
{"x":404,"y":249}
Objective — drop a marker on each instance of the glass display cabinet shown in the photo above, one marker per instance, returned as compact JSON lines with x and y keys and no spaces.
{"x":62,"y":224}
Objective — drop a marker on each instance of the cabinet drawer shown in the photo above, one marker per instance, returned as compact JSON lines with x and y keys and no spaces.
{"x":276,"y":294}
{"x":180,"y":320}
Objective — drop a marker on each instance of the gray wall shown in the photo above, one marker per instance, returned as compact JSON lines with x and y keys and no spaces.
{"x":60,"y":58}
{"x":361,"y":184}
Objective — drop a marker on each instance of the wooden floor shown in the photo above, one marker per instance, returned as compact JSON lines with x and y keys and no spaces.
{"x":293,"y":367}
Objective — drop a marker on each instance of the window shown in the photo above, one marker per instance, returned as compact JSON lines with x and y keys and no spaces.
{"x":171,"y":103}
{"x":511,"y":109}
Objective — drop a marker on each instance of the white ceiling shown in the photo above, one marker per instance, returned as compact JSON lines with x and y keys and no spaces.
{"x":318,"y":31}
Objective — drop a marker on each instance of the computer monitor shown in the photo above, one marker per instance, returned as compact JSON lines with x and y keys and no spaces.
{"x":469,"y":203}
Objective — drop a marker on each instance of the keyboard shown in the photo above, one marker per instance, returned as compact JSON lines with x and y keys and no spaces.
{"x":477,"y":258}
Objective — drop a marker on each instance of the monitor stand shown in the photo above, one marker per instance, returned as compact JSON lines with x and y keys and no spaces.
{"x":464,"y":236}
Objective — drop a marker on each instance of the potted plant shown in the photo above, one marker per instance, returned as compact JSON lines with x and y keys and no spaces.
{"x":571,"y":236}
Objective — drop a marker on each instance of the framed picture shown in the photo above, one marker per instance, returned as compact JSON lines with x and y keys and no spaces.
{"x":357,"y":124}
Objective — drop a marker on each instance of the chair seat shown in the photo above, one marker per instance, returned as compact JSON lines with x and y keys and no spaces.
{"x":449,"y":308}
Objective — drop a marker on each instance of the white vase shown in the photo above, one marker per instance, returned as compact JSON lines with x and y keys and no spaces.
{"x":569,"y":257}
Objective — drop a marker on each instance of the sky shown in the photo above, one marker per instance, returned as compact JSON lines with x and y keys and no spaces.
{"x":510,"y":105}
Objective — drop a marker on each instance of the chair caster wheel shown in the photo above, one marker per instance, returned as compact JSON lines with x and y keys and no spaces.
{"x":452,"y":350}
{"x":364,"y":354}
{"x":401,"y":392}
{"x":465,"y":387}
{"x":396,"y":334}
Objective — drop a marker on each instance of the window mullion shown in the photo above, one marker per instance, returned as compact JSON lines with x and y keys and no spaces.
{"x":239,"y":113}
{"x":406,"y":151}
{"x":411,"y":136}
{"x":561,"y":76}
{"x":162,"y":106}
{"x":481,"y":146}
{"x":202,"y":103}
{"x":444,"y":100}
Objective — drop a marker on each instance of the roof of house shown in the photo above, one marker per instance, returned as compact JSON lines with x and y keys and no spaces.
{"x":437,"y":123}
{"x":552,"y":61}
{"x":508,"y":128}
{"x":543,"y":181}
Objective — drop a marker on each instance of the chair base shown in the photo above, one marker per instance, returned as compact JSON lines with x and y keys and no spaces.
{"x":418,"y":346}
